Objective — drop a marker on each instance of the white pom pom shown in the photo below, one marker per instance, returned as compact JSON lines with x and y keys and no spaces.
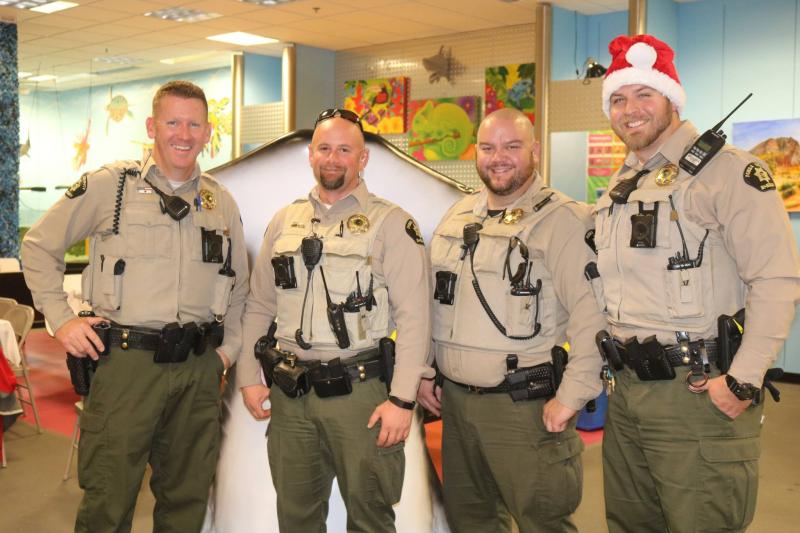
{"x":641,"y":55}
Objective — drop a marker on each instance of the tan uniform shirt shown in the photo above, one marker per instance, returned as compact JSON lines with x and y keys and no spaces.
{"x":165,"y":279}
{"x":468,"y":347}
{"x":396,"y":258}
{"x":749,"y":258}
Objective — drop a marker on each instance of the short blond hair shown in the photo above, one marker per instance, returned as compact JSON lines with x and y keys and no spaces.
{"x":181,"y":89}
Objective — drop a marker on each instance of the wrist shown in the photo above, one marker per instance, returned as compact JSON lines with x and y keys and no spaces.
{"x":402,"y":404}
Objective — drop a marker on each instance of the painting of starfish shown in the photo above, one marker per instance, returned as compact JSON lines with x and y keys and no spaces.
{"x":81,"y":148}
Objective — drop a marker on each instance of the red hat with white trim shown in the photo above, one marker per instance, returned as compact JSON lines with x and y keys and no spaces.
{"x":642,"y":60}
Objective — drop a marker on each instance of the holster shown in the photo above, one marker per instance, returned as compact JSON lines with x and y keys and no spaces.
{"x":729,"y":338}
{"x":290,"y":377}
{"x":330,"y":379}
{"x":266,"y":353}
{"x":531,"y":382}
{"x":386,"y":352}
{"x":608,"y":349}
{"x":81,"y":370}
{"x":648,"y":359}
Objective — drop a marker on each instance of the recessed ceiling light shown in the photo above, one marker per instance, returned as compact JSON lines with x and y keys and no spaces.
{"x":241,"y":38}
{"x":42,"y":77}
{"x":266,"y":2}
{"x":52,"y":7}
{"x":118,"y":60}
{"x":23,"y":75}
{"x":182,"y":14}
{"x":79,"y":76}
{"x":184,"y":59}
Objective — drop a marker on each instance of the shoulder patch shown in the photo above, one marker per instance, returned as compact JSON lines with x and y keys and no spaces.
{"x":413,"y":231}
{"x":758,"y":177}
{"x":79,"y":187}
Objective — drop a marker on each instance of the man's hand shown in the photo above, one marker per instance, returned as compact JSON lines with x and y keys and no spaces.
{"x":79,"y":339}
{"x":254,"y":397}
{"x":556,"y":416}
{"x":429,"y":396}
{"x":722,"y":397}
{"x":395,"y":423}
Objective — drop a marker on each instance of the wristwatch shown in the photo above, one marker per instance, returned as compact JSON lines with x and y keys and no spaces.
{"x":743,"y":391}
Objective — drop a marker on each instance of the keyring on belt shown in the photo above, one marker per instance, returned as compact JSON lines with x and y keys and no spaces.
{"x":696,"y":386}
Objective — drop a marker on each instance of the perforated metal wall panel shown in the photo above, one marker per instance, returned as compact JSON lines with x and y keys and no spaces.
{"x":474,"y":52}
{"x":262,"y":123}
{"x":577,"y":106}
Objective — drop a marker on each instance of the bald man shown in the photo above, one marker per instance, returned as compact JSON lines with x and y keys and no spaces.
{"x":338,"y":271}
{"x":508,"y":267}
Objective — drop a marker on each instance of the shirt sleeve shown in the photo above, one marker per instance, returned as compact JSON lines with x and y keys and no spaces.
{"x":566,"y":258}
{"x":260,"y":307}
{"x":756,"y":233}
{"x":404,"y":266}
{"x":68,"y":221}
{"x":232,"y":345}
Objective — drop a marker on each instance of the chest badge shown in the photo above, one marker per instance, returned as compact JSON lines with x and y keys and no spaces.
{"x":358,"y":224}
{"x":207,"y":199}
{"x":666,"y":175}
{"x":513,"y":216}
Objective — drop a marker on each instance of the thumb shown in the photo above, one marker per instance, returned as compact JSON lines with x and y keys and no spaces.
{"x":376,"y":415}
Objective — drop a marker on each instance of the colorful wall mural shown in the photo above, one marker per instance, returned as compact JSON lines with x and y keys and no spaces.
{"x":381,"y":103}
{"x":65,"y":134}
{"x":511,"y":86}
{"x":443,"y":128}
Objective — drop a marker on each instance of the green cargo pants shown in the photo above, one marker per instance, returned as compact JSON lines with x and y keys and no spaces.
{"x":138,"y":412}
{"x":673,"y":462}
{"x":312,"y":439}
{"x":498,"y":459}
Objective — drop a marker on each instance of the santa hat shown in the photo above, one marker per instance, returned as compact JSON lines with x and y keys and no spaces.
{"x":642,"y":60}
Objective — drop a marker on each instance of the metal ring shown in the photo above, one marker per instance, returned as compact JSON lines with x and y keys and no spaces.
{"x":692,"y":386}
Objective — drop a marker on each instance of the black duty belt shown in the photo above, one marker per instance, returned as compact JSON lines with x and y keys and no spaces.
{"x":362,"y":366}
{"x":503,"y":387}
{"x":141,"y":338}
{"x":674,"y":352}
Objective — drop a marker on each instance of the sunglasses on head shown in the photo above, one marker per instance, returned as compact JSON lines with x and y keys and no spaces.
{"x":339,"y":113}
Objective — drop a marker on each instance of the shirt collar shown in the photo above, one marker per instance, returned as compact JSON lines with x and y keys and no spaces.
{"x":151,"y":171}
{"x":358,"y":197}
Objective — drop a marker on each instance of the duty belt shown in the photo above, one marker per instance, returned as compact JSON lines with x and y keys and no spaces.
{"x":503,"y":387}
{"x":527,"y":383}
{"x":674,"y":352}
{"x":149,"y":339}
{"x":362,"y":366}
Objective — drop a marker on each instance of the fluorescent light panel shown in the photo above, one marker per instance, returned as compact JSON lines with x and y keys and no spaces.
{"x":241,"y":38}
{"x":23,"y":75}
{"x":41,"y":77}
{"x":182,"y":14}
{"x":184,"y":59}
{"x":266,"y":2}
{"x":118,"y":60}
{"x":23,"y":4}
{"x":52,"y":7}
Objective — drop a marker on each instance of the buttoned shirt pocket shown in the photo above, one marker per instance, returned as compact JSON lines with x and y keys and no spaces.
{"x":149,"y":232}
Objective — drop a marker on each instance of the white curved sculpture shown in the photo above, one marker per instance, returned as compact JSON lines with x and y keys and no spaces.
{"x":263,"y":181}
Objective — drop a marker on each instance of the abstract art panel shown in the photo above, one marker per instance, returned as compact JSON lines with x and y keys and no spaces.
{"x":511,"y":86}
{"x":777,"y":142}
{"x":605,"y":154}
{"x":443,"y":129}
{"x":380,"y":103}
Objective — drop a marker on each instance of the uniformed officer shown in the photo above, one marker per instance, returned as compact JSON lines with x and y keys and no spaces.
{"x":678,"y":248}
{"x":168,"y":264}
{"x":339,"y":271}
{"x":508,"y":266}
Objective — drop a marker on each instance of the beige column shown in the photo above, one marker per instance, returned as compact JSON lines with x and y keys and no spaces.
{"x":237,"y":98}
{"x":637,"y":17}
{"x":544,"y":25}
{"x":288,"y":93}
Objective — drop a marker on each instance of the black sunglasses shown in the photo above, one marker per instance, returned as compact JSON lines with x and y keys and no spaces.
{"x":339,"y":113}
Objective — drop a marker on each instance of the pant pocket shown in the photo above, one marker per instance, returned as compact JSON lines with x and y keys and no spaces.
{"x":561,"y":478}
{"x":388,"y":469}
{"x":729,"y":483}
{"x":92,"y":452}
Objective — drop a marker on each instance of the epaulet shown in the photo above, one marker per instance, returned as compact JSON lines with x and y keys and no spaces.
{"x":300,"y":201}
